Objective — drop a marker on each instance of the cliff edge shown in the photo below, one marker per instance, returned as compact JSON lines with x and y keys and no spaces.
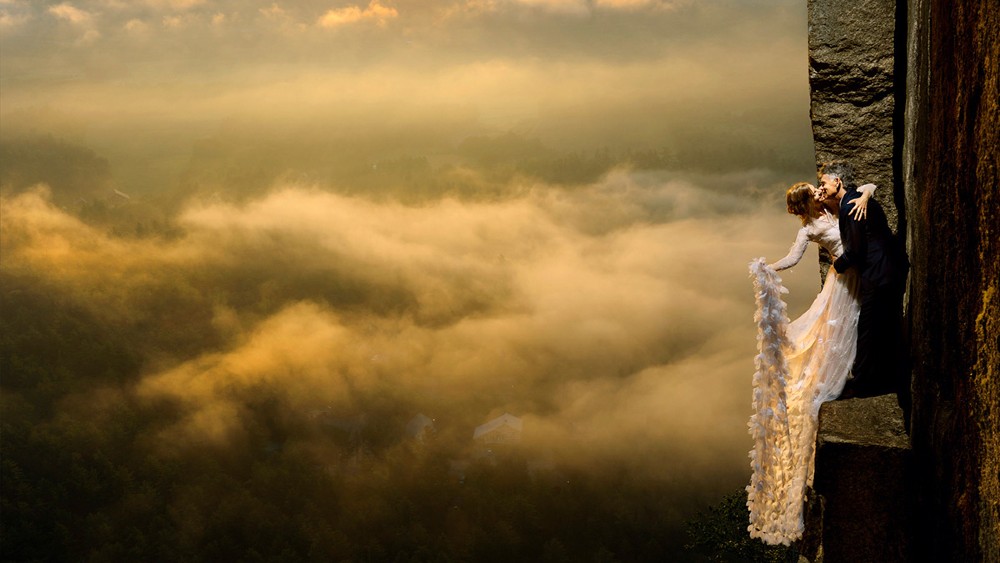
{"x":913,"y":88}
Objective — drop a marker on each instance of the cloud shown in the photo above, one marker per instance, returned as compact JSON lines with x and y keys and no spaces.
{"x":562,"y":7}
{"x":136,"y":26}
{"x":157,"y":5}
{"x":375,"y":12}
{"x":636,"y":78}
{"x":614,"y":316}
{"x":172,"y":22}
{"x":178,"y":5}
{"x":633,"y":5}
{"x":567,"y":7}
{"x":617,"y":302}
{"x":80,"y":259}
{"x":302,"y":349}
{"x":70,"y":13}
{"x":79,"y":18}
{"x":273,"y":11}
{"x":11,"y":18}
{"x":599,"y":314}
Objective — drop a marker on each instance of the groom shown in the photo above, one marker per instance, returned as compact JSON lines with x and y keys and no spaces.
{"x":881,"y":264}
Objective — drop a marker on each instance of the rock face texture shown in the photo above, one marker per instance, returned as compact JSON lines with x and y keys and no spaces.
{"x":952,"y":184}
{"x":863,"y":479}
{"x":910,"y":93}
{"x":852,"y":66}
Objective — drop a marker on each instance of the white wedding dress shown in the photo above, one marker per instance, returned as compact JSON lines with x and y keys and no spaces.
{"x":800,"y":365}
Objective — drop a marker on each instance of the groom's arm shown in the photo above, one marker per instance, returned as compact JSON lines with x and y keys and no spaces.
{"x":852,"y":235}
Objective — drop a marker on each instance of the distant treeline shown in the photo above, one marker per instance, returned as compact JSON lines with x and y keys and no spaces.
{"x":246,"y":166}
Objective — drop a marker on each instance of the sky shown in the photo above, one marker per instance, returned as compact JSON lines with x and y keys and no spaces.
{"x":542,"y":207}
{"x":575,"y":74}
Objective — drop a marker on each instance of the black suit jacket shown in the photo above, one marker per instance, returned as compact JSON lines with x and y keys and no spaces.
{"x":870,"y":246}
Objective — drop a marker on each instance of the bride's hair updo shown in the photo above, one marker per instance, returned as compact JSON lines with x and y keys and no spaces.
{"x":799,"y":197}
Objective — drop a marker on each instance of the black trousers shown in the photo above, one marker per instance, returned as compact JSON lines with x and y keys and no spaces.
{"x":879,"y":366}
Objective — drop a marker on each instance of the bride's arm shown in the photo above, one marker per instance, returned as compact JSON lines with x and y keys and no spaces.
{"x":860,"y":205}
{"x":795,"y":254}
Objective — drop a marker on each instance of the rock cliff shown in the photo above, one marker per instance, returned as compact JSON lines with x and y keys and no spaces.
{"x":923,"y":78}
{"x":951,"y":178}
{"x":863,"y":480}
{"x":852,"y":66}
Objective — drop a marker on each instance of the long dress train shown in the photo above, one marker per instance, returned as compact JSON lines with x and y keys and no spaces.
{"x":800,"y":365}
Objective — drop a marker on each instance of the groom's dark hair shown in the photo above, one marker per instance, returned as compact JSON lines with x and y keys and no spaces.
{"x":840,"y":169}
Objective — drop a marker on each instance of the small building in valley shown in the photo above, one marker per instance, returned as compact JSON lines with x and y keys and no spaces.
{"x":505,"y":429}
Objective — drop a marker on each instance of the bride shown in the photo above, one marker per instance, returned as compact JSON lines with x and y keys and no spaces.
{"x":800,"y":365}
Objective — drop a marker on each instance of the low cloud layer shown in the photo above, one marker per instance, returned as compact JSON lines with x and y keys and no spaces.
{"x":615,"y":320}
{"x":244,"y":243}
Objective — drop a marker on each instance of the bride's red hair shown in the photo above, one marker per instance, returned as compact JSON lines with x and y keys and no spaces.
{"x":798,"y":198}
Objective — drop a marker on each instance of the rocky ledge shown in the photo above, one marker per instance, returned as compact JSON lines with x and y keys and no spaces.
{"x":861,"y":506}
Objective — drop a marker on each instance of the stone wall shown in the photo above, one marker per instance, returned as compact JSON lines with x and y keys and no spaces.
{"x":852,"y":66}
{"x":940,"y":159}
{"x":950,"y":171}
{"x":863,"y":485}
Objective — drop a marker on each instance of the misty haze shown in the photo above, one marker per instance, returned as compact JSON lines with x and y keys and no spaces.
{"x":431,"y":280}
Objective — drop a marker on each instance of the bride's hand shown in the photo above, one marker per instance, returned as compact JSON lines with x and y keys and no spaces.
{"x":859,"y":209}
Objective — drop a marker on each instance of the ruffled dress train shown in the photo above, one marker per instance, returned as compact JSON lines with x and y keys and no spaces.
{"x":799,"y":366}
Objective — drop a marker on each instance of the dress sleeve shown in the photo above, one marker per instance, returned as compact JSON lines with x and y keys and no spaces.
{"x":796,"y":252}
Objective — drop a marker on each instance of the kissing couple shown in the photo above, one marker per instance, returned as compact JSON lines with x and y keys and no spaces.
{"x":847,"y":344}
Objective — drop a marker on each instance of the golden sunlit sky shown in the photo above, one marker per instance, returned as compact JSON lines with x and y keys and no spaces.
{"x":573,"y":73}
{"x":461,"y":208}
